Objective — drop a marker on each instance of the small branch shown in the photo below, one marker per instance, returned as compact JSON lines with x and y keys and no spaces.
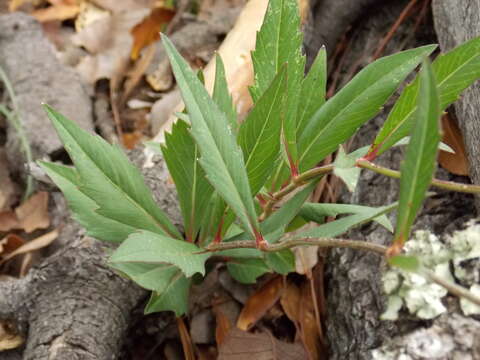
{"x":448,"y":185}
{"x":321,"y":242}
{"x":297,"y":181}
{"x":452,"y":288}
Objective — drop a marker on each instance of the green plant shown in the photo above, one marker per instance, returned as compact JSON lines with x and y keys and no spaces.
{"x":243,"y":188}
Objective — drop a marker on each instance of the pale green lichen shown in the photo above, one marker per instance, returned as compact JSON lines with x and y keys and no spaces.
{"x":422,"y":297}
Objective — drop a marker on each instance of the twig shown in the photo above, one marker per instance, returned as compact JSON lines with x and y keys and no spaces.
{"x":448,"y":185}
{"x":287,"y":244}
{"x":393,"y":29}
{"x":15,"y":122}
{"x":297,"y":181}
{"x":453,"y":288}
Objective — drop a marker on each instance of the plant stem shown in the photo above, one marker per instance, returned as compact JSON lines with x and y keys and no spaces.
{"x":15,"y":122}
{"x":454,"y":289}
{"x":296,"y":182}
{"x":448,"y":185}
{"x":287,"y":244}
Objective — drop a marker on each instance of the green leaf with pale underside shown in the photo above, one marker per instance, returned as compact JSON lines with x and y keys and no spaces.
{"x":247,"y":270}
{"x":454,"y":72}
{"x":357,"y":102}
{"x":194,"y":191}
{"x":221,"y":94}
{"x":84,"y":208}
{"x":340,"y":226}
{"x":108,"y":178}
{"x":220,"y":156}
{"x":318,"y":211}
{"x":279,"y":42}
{"x":150,"y":248}
{"x":173,"y":297}
{"x":313,"y":91}
{"x":419,"y":164}
{"x":259,"y":135}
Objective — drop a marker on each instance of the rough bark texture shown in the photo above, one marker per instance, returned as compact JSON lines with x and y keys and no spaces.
{"x":331,"y":20}
{"x":75,"y":307}
{"x":354,"y":292}
{"x":455,"y":23}
{"x":37,"y":76}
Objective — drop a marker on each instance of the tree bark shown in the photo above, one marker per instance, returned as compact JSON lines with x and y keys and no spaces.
{"x":455,"y":23}
{"x":73,"y":305}
{"x":353,"y":285}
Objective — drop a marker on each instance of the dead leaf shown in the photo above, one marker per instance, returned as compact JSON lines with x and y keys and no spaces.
{"x":35,"y":244}
{"x":260,"y":302}
{"x":130,"y":140}
{"x":299,"y":305}
{"x":309,"y":331}
{"x":241,"y":345}
{"x":135,"y":75}
{"x":9,"y":339}
{"x":187,"y":345}
{"x":33,"y":213}
{"x":124,"y":5}
{"x":14,"y":5}
{"x":7,"y":187}
{"x":8,"y":221}
{"x":10,"y":243}
{"x":223,"y":325}
{"x":452,"y":136}
{"x":148,"y":30}
{"x":109,"y":42}
{"x":291,"y":302}
{"x":57,"y":12}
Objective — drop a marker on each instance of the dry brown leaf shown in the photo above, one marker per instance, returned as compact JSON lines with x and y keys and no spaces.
{"x":260,"y":302}
{"x":7,"y":187}
{"x":241,"y":345}
{"x":35,"y":244}
{"x":57,"y":12}
{"x":131,"y":139}
{"x":291,"y":302}
{"x":10,"y":243}
{"x":135,"y":75}
{"x":309,"y":331}
{"x":223,"y":325}
{"x":33,"y":213}
{"x":9,"y":339}
{"x":14,"y":5}
{"x":123,"y":5}
{"x":8,"y":221}
{"x":455,"y":163}
{"x":148,"y":30}
{"x":187,"y":345}
{"x":109,"y":42}
{"x":235,"y":52}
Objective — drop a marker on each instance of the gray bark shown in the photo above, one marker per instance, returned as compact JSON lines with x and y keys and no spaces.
{"x":74,"y":306}
{"x":455,"y":23}
{"x":37,"y":76}
{"x":354,"y":292}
